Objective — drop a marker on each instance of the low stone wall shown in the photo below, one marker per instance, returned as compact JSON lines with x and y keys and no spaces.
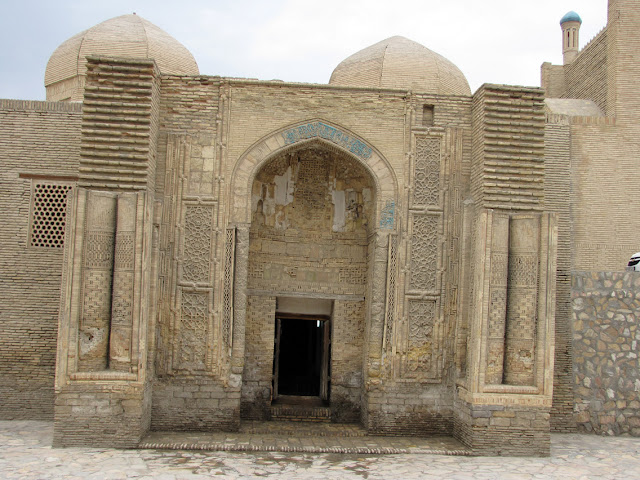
{"x":606,"y":310}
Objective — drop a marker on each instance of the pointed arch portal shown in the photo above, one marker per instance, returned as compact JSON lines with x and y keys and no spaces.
{"x":313,"y":204}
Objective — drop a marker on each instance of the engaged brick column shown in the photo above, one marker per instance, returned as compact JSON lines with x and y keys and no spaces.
{"x":502,"y":404}
{"x":103,"y":394}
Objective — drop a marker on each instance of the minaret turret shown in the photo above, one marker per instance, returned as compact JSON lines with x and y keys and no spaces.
{"x":570,"y":24}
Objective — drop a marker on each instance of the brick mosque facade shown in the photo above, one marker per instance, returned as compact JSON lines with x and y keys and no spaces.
{"x":185,"y":252}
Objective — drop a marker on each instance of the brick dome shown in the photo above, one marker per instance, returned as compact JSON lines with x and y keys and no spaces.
{"x":398,"y":62}
{"x":129,"y":36}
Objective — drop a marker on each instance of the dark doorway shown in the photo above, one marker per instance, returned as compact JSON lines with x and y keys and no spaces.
{"x":301,"y":357}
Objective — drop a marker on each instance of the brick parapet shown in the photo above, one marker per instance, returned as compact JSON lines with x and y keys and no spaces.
{"x":587,"y":77}
{"x":39,"y":106}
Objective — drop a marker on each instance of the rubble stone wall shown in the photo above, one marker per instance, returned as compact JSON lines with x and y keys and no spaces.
{"x":606,"y":310}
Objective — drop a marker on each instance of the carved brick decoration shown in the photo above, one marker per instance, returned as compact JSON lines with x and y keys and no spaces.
{"x":48,"y":214}
{"x":427,"y":171}
{"x":193,"y":333}
{"x":311,"y":189}
{"x":227,"y":295}
{"x":97,"y":278}
{"x":390,"y":308}
{"x":421,"y":358}
{"x":522,"y":297}
{"x":198,"y":223}
{"x":123,"y":284}
{"x":424,"y":252}
{"x":497,"y":299}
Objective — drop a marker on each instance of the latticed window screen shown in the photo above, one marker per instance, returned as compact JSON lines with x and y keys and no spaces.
{"x":48,"y":214}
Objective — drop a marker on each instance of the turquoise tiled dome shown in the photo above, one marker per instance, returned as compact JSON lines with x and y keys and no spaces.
{"x":571,"y":17}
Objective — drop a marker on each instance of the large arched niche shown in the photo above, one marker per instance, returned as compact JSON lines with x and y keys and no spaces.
{"x":310,"y":214}
{"x":333,"y":137}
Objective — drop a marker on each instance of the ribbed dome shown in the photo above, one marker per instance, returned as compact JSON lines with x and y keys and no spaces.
{"x":129,"y":36}
{"x":398,"y":62}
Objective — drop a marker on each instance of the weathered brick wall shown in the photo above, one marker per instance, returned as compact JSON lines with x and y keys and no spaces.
{"x":586,"y":77}
{"x":552,"y":79}
{"x":259,"y":108}
{"x":258,"y":367}
{"x":188,"y":392}
{"x":40,"y":143}
{"x":188,"y":106}
{"x":114,"y":417}
{"x":623,"y":54}
{"x":606,"y":335}
{"x":605,"y":235}
{"x":346,"y":362}
{"x":508,"y":430}
{"x":103,"y":392}
{"x":410,"y":408}
{"x":199,"y":404}
{"x":557,"y":182}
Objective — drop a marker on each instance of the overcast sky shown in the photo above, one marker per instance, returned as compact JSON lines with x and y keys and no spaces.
{"x":491,"y":41}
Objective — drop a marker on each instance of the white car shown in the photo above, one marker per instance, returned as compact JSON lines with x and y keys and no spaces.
{"x":634,"y":263}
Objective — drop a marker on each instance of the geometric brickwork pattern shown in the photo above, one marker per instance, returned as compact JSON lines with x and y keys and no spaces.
{"x":497,"y":313}
{"x":97,"y":281}
{"x":420,"y":356}
{"x":523,"y":270}
{"x":198,"y":221}
{"x":392,"y":265}
{"x":123,"y":284}
{"x":123,"y":256}
{"x":99,"y":250}
{"x":122,"y":307}
{"x":227,"y":301}
{"x":424,"y":249}
{"x":311,"y":191}
{"x":497,"y":301}
{"x":48,"y":214}
{"x":427,"y":171}
{"x":521,"y":319}
{"x":194,"y":322}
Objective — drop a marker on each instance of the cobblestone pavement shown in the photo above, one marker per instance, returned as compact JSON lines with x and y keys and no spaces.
{"x":25,"y":453}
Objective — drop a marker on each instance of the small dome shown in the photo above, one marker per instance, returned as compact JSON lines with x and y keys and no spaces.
{"x":570,"y":17}
{"x":398,"y":62}
{"x":129,"y":36}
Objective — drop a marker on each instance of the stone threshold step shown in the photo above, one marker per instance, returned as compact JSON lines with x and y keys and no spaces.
{"x":355,"y":450}
{"x":302,"y":428}
{"x":271,"y":442}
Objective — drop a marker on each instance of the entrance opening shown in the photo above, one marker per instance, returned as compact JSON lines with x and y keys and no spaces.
{"x":301,"y":356}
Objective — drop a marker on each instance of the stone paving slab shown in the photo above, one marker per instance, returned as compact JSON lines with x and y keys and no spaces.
{"x":26,"y":454}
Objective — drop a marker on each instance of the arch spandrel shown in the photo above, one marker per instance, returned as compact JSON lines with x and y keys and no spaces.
{"x":299,"y":135}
